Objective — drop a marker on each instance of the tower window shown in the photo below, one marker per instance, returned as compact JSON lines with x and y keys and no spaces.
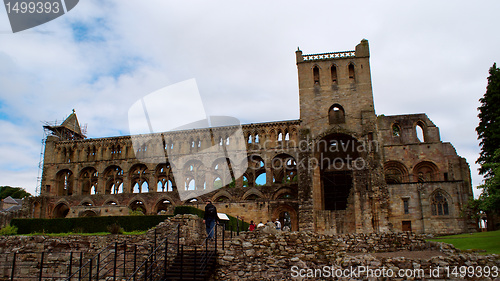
{"x":406,"y":206}
{"x":396,"y":130}
{"x":336,"y":114}
{"x":352,"y":77}
{"x":334,"y":74}
{"x":419,"y":128}
{"x":316,"y":74}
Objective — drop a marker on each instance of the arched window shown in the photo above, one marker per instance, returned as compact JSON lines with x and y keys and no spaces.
{"x":334,"y":74}
{"x":420,"y":131}
{"x":439,"y":204}
{"x":336,"y":114}
{"x":352,"y":77}
{"x":396,"y":130}
{"x":316,"y":74}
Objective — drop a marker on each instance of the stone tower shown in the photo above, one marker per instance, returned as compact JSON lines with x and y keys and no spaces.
{"x":342,"y":189}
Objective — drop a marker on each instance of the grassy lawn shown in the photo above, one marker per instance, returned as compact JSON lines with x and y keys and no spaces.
{"x":489,"y":241}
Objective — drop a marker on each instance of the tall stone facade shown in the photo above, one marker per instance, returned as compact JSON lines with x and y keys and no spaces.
{"x":340,"y":168}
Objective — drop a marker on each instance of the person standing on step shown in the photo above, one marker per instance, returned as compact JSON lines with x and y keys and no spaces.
{"x":210,"y":218}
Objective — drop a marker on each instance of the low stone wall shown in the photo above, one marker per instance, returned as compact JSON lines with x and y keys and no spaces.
{"x":57,"y":250}
{"x":272,"y":255}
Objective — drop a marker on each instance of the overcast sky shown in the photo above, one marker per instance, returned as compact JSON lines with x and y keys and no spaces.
{"x":426,"y":57}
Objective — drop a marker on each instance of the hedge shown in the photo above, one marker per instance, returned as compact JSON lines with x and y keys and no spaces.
{"x":200,"y":213}
{"x":86,"y":224}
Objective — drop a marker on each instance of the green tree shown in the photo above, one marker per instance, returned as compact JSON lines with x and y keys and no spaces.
{"x":489,"y":135}
{"x":14,"y":192}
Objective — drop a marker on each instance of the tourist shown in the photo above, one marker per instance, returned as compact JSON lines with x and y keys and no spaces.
{"x":278,"y":224}
{"x":251,"y":227}
{"x":260,"y":225}
{"x":210,"y":218}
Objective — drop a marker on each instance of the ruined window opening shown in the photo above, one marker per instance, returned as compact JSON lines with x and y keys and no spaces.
{"x":337,"y":186}
{"x":316,"y":74}
{"x":199,"y":143}
{"x":439,"y":205}
{"x":334,"y":74}
{"x":406,"y":206}
{"x":249,"y":138}
{"x":217,"y":183}
{"x":336,"y":114}
{"x":419,"y":128}
{"x":190,"y":185}
{"x":170,"y":186}
{"x":445,"y":176}
{"x":280,"y":137}
{"x":352,"y":76}
{"x":245,"y":181}
{"x":221,"y":142}
{"x":287,"y":136}
{"x":227,"y":140}
{"x":396,"y":130}
{"x":256,"y":138}
{"x":260,"y":180}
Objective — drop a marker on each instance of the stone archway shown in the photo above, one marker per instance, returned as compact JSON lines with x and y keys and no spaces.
{"x":60,"y":211}
{"x":281,"y":213}
{"x":88,"y":213}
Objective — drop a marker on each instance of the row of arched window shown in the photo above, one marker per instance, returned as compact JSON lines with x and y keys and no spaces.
{"x":195,"y":176}
{"x":420,"y":131}
{"x":333,"y":74}
{"x":425,"y":171}
{"x":112,"y":150}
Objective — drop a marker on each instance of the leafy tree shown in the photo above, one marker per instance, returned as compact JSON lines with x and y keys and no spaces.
{"x":489,"y":135}
{"x":14,"y":192}
{"x":489,"y":122}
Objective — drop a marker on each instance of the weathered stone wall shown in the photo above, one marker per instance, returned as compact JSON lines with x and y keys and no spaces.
{"x":270,"y":255}
{"x":57,"y":250}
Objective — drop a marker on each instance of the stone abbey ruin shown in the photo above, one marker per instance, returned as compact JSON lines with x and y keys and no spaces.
{"x":339,"y":169}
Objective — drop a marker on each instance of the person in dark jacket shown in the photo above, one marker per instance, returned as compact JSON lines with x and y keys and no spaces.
{"x":210,"y":218}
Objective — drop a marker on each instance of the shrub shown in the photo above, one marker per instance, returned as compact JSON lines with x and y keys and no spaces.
{"x":8,"y":230}
{"x":115,"y":229}
{"x":86,"y":224}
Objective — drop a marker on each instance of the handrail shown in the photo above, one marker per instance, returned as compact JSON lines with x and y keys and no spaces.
{"x":154,"y":251}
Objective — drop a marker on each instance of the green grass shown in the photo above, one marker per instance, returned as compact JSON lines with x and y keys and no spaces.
{"x":489,"y":241}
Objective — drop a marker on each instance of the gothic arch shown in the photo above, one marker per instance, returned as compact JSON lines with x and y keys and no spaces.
{"x":222,"y":194}
{"x":64,"y":180}
{"x":280,"y":210}
{"x":87,"y":201}
{"x":88,"y":181}
{"x":253,"y":191}
{"x":336,"y":114}
{"x":425,"y":171}
{"x":113,"y":178}
{"x":440,"y":202}
{"x":395,"y":172}
{"x":164,"y":205}
{"x":285,"y":193}
{"x":61,"y":209}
